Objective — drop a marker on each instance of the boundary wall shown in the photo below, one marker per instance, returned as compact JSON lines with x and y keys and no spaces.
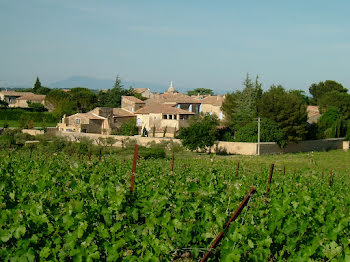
{"x":239,"y":148}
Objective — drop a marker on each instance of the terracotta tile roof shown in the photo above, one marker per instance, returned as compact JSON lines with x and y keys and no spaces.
{"x":212,"y":100}
{"x":32,"y":97}
{"x":133,"y":99}
{"x":140,"y":90}
{"x":89,"y":115}
{"x":176,"y":98}
{"x":120,"y":112}
{"x":158,"y":108}
{"x":15,"y":93}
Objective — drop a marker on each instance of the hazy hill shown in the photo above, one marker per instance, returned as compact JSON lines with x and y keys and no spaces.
{"x":98,"y":84}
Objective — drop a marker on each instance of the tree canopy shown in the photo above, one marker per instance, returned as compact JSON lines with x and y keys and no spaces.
{"x":200,"y":91}
{"x":240,"y":107}
{"x":287,"y":109}
{"x":269,"y":132}
{"x":323,"y":88}
{"x":201,"y":132}
{"x":113,"y":97}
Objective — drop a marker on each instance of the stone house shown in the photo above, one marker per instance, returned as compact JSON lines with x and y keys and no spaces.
{"x":22,"y":101}
{"x":162,"y":118}
{"x":131,"y":103}
{"x":11,"y":96}
{"x":145,"y":92}
{"x":212,"y":105}
{"x":101,"y":120}
{"x":313,"y":114}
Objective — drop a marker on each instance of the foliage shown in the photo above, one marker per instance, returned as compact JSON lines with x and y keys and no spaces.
{"x":59,"y":207}
{"x":287,"y":109}
{"x":129,"y":128}
{"x":201,"y":132}
{"x":331,"y":124}
{"x":37,"y":85}
{"x":85,"y":99}
{"x":3,"y":104}
{"x":37,"y":106}
{"x":16,"y":113}
{"x":149,"y":152}
{"x":113,"y":97}
{"x":323,"y":88}
{"x":269,"y":132}
{"x":200,"y":91}
{"x":339,"y":100}
{"x":61,"y":102}
{"x":240,"y":107}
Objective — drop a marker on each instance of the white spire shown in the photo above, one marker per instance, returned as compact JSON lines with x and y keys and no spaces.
{"x":171,"y":83}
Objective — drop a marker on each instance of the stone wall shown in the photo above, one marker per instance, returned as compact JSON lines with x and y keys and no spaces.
{"x":239,"y":148}
{"x":33,"y":132}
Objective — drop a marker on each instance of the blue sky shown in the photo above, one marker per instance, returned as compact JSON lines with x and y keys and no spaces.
{"x":210,"y":44}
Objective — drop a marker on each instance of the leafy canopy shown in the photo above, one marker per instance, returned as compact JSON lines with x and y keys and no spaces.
{"x":269,"y":132}
{"x":200,"y":91}
{"x":287,"y":109}
{"x":200,"y":133}
{"x":240,"y":107}
{"x":323,"y":88}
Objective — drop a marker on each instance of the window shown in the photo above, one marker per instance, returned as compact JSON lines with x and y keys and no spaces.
{"x":175,"y":117}
{"x":170,"y":116}
{"x":165,"y":116}
{"x":77,"y":121}
{"x":115,"y":120}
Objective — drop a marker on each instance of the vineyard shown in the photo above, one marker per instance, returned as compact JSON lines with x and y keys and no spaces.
{"x":60,"y":207}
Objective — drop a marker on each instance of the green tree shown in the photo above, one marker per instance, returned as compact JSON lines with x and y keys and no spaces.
{"x":61,"y":102}
{"x":85,"y":99}
{"x":331,"y":124}
{"x":287,"y":109}
{"x":201,"y":91}
{"x":269,"y":132}
{"x":112,"y":97}
{"x":201,"y":132}
{"x":336,"y":99}
{"x":129,"y":128}
{"x":322,"y":88}
{"x":37,"y":85}
{"x":240,"y":107}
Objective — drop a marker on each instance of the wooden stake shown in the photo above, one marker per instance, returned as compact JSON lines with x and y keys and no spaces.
{"x":99,"y":155}
{"x":136,"y":151}
{"x":89,"y":156}
{"x":233,"y":218}
{"x":284,"y":171}
{"x":330,"y":178}
{"x":269,"y":182}
{"x":237,"y":168}
{"x":172,"y":163}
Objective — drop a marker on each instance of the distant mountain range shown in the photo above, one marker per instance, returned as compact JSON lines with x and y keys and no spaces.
{"x":100,"y":84}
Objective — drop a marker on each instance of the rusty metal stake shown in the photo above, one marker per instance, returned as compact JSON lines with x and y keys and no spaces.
{"x":10,"y":149}
{"x":237,"y":168}
{"x":136,"y":151}
{"x":269,"y":182}
{"x":233,"y":218}
{"x":284,"y":171}
{"x":330,"y":178}
{"x":89,"y":156}
{"x":172,"y":163}
{"x":99,"y":155}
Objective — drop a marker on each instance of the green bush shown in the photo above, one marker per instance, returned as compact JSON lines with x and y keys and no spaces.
{"x":15,"y":114}
{"x":155,"y":153}
{"x":269,"y":132}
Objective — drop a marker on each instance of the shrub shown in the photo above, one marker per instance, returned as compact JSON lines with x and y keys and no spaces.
{"x":148,"y":153}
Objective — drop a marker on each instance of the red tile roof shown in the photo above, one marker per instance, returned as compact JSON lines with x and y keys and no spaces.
{"x":133,"y":99}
